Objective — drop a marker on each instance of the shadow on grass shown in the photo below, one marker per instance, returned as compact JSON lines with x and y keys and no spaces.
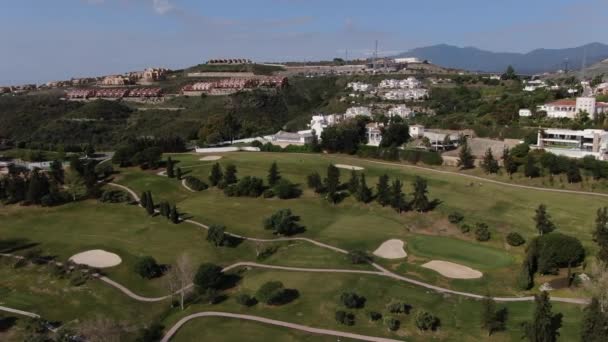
{"x":7,"y":322}
{"x":14,"y":245}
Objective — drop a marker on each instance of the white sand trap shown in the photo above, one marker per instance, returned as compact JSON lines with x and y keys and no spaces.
{"x":210,"y":158}
{"x":391,"y":249}
{"x":349,"y":167}
{"x":97,"y":258}
{"x":452,"y":270}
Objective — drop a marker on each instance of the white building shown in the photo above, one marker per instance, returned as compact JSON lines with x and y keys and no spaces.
{"x":405,"y":94}
{"x":402,"y":111}
{"x":407,"y":60}
{"x":574,"y":144}
{"x":374,"y":133}
{"x":359,"y":86}
{"x":534,"y":84}
{"x":408,"y":83}
{"x":416,"y":131}
{"x":568,"y":108}
{"x":525,"y":112}
{"x":320,"y":122}
{"x":357,"y":111}
{"x":300,"y":138}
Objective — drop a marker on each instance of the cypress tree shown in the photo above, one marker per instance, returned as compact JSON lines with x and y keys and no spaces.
{"x":489,"y":163}
{"x":353,"y":183}
{"x":230,"y":175}
{"x":595,"y":323}
{"x":530,"y":169}
{"x":216,"y":175}
{"x":273,"y":174}
{"x":365,"y":193}
{"x":332,"y":182}
{"x":508,"y":162}
{"x":543,"y":220}
{"x":178,"y":174}
{"x":544,"y":325}
{"x":465,"y":157}
{"x":600,"y":234}
{"x":420,"y":202}
{"x":149,"y":204}
{"x":143,"y":199}
{"x":174,"y":215}
{"x":383,"y":195}
{"x":170,"y":171}
{"x":164,"y":209}
{"x":397,"y":197}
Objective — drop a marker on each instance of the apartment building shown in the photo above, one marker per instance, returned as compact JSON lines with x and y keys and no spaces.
{"x":357,"y":111}
{"x":359,"y":86}
{"x":409,"y":83}
{"x":406,"y":94}
{"x":569,"y":108}
{"x":401,"y":111}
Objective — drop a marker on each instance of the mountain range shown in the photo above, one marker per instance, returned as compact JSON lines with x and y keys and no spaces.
{"x":533,"y":62}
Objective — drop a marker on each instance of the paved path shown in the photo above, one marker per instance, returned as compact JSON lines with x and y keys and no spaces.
{"x":294,"y":326}
{"x":186,"y":186}
{"x":381,"y":270}
{"x":19,"y":312}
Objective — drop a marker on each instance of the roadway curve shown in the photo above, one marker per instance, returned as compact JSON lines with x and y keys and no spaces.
{"x":381,"y":270}
{"x":293,"y":326}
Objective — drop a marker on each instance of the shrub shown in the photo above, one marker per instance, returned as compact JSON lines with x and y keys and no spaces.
{"x":267,"y":252}
{"x":114,"y":196}
{"x":359,"y":257}
{"x":285,"y":189}
{"x":392,"y":324}
{"x":398,"y":307}
{"x":352,"y":300}
{"x":426,"y":321}
{"x":555,"y":250}
{"x":268,"y":193}
{"x":247,"y":186}
{"x":345,"y":318}
{"x":245,"y":300}
{"x":283,"y":222}
{"x":147,"y":267}
{"x":78,"y":279}
{"x":216,"y":234}
{"x":482,"y":233}
{"x":208,"y":276}
{"x":455,"y":217}
{"x":195,"y":183}
{"x":374,"y":316}
{"x":464,"y":228}
{"x":515,"y":239}
{"x":274,"y":293}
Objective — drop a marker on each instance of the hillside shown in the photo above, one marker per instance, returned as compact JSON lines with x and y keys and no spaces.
{"x":536,"y":61}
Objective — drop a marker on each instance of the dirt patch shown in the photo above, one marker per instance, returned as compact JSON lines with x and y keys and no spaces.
{"x":97,"y":258}
{"x":349,"y":167}
{"x":391,"y":249}
{"x":452,"y":270}
{"x":210,"y":158}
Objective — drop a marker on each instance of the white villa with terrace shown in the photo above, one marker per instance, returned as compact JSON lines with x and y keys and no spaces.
{"x":574,"y":144}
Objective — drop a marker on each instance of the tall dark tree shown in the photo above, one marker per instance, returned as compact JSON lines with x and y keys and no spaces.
{"x":396,"y":134}
{"x":530,"y":168}
{"x":383,"y":194}
{"x":397,"y":196}
{"x":149,"y":204}
{"x":420,"y":201}
{"x":508,"y":161}
{"x":353,"y":183}
{"x":595,"y":323}
{"x":573,"y":173}
{"x":174,"y":215}
{"x":509,"y":74}
{"x":216,"y":175}
{"x":57,"y":171}
{"x":178,"y":173}
{"x":489,"y":163}
{"x":314,"y":182}
{"x":332,"y":183}
{"x":600,"y":234}
{"x":170,"y":168}
{"x":364,"y":193}
{"x":208,"y":276}
{"x":37,"y":186}
{"x":216,"y":234}
{"x":283,"y":222}
{"x":492,"y":319}
{"x":465,"y":157}
{"x":543,"y":221}
{"x":164,"y":209}
{"x":273,"y":174}
{"x":545,"y":325}
{"x":230,"y":175}
{"x":143,"y":199}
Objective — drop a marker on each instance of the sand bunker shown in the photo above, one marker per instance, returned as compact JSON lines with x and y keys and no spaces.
{"x":211,"y":158}
{"x":452,"y":270}
{"x":349,"y":167}
{"x":97,"y":258}
{"x":391,"y":249}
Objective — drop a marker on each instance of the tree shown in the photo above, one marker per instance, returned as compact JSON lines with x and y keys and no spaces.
{"x":525,"y":279}
{"x":230,"y":175}
{"x":515,"y":239}
{"x":143,"y":199}
{"x":383,"y":195}
{"x":57,"y":171}
{"x":600,"y":234}
{"x":275,"y":293}
{"x":595,"y":323}
{"x":314,"y":182}
{"x":38,"y":186}
{"x":492,"y":320}
{"x":208,"y":276}
{"x":420,"y":201}
{"x":174,"y":215}
{"x":345,"y":318}
{"x":164,"y":209}
{"x":465,"y":157}
{"x":530,"y":168}
{"x":352,"y":300}
{"x":180,"y":276}
{"x":426,"y":321}
{"x":178,"y":173}
{"x":332,"y":182}
{"x":147,"y":267}
{"x":285,"y":189}
{"x":364,"y":193}
{"x":542,"y":220}
{"x":75,"y":185}
{"x":482,"y":233}
{"x":508,"y":162}
{"x":149,"y":204}
{"x":573,"y":174}
{"x":509,"y":74}
{"x":283,"y":222}
{"x":392,"y":323}
{"x":216,"y":175}
{"x":170,"y":171}
{"x":545,"y":325}
{"x":273,"y":174}
{"x":489,"y":163}
{"x":395,"y":135}
{"x":397,"y":197}
{"x":353,"y":183}
{"x":216,"y":234}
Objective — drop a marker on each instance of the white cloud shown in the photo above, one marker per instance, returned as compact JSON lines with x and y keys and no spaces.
{"x":162,"y":6}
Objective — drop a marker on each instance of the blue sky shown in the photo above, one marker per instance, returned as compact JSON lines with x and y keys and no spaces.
{"x":44,"y":40}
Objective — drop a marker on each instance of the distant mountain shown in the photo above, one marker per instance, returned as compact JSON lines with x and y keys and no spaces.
{"x":533,"y":62}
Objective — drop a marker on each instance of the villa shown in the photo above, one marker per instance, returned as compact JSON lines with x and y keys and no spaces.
{"x":574,"y":144}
